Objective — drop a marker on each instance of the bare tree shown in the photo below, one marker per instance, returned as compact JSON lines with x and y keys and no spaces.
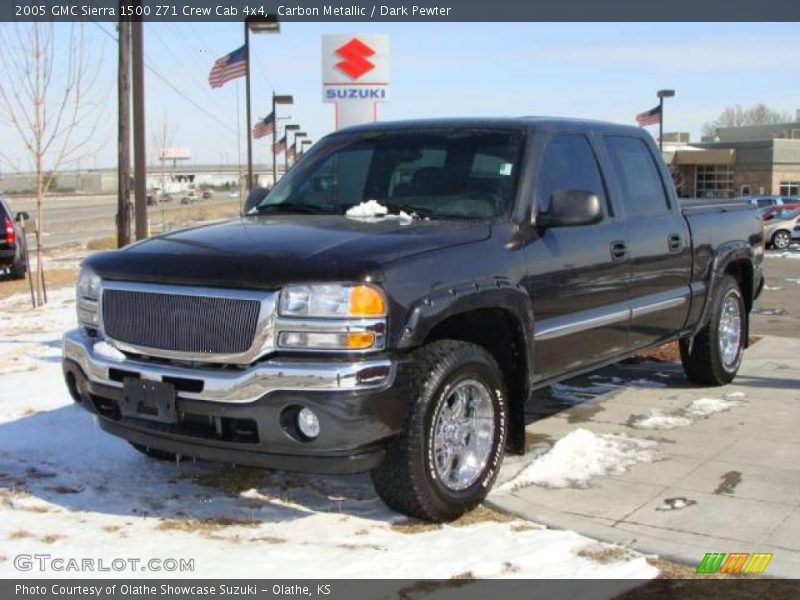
{"x":45,"y":95}
{"x":737,"y":116}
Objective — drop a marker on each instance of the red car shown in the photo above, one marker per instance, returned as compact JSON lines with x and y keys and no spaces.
{"x":769,"y":213}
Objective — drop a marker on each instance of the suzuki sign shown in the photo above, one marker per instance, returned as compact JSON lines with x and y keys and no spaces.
{"x":355,"y":76}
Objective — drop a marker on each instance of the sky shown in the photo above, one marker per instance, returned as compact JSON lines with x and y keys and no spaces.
{"x":607,"y":71}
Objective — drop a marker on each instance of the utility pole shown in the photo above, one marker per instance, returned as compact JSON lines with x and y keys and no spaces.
{"x":123,"y":130}
{"x":139,"y":143}
{"x":247,"y":109}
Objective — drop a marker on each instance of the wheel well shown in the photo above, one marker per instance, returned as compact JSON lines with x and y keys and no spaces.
{"x":742,"y":272}
{"x":500,"y":333}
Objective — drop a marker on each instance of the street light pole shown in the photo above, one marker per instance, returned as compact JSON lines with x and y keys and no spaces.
{"x":247,"y":107}
{"x":661,"y":95}
{"x":268,"y":24}
{"x":277,"y":99}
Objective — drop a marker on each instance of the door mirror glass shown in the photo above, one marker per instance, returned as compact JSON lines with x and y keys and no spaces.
{"x":571,"y":208}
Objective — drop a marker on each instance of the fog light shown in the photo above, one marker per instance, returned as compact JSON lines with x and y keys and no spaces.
{"x":308,"y":423}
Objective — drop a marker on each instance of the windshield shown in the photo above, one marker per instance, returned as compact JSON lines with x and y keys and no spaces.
{"x":460,"y":173}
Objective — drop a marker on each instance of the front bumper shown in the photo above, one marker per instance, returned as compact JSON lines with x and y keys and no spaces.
{"x":242,"y":415}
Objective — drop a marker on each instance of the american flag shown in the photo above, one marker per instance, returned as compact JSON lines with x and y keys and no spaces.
{"x":264,"y":127}
{"x":650,"y":117}
{"x":291,"y":154}
{"x":228,"y":67}
{"x":280,"y":145}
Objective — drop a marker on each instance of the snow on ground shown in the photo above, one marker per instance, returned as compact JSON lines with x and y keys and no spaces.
{"x":701,"y":408}
{"x":72,"y":491}
{"x":581,"y":456}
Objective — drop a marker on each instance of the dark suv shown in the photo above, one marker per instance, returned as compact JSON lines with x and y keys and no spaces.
{"x":12,"y":243}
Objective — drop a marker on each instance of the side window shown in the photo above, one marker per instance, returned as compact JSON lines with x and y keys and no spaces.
{"x":568,"y":164}
{"x":635,"y":169}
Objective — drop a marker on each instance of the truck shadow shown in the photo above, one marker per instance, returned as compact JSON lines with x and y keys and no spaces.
{"x":62,"y":458}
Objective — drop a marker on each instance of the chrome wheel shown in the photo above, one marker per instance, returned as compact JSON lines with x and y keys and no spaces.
{"x":463,"y":434}
{"x":781,"y":240}
{"x":730,"y":329}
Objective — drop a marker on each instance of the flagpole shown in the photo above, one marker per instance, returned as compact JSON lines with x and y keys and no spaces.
{"x":247,"y":104}
{"x":274,"y":141}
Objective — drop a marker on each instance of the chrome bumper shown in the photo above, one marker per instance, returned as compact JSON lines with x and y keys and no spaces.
{"x":244,"y":384}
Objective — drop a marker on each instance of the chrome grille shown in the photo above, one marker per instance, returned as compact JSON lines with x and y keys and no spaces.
{"x":186,"y":323}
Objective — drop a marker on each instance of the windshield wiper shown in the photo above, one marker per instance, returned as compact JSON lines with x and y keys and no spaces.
{"x":290,"y":208}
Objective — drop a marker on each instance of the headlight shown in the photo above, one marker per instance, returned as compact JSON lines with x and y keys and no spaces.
{"x":332,"y":301}
{"x":87,"y":298}
{"x":88,"y":285}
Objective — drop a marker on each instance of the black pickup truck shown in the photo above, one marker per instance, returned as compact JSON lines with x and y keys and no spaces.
{"x":393,"y":302}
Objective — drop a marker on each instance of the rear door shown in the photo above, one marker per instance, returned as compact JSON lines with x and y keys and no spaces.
{"x":658,"y":242}
{"x":577,"y":276}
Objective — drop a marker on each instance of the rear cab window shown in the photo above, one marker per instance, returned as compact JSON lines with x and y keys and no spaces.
{"x":636,"y":173}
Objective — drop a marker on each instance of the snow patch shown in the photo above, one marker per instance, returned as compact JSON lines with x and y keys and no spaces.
{"x":581,"y":456}
{"x":372,"y":209}
{"x":701,"y":408}
{"x":705,"y":407}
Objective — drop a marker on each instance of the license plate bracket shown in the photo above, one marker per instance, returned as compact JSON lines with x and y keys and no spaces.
{"x":146,"y":399}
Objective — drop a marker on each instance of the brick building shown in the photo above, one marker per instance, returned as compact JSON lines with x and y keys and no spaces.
{"x":737,"y":161}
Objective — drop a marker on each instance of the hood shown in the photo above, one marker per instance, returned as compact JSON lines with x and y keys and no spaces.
{"x":266,"y":252}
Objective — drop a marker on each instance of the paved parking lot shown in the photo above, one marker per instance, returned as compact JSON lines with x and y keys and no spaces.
{"x":716,"y":469}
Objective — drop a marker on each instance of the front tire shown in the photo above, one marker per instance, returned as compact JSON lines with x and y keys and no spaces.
{"x":447,"y":458}
{"x":782,"y":239}
{"x":716,"y":353}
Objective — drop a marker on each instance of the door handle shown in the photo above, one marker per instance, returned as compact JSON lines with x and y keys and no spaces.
{"x":619,"y":250}
{"x":674,"y":242}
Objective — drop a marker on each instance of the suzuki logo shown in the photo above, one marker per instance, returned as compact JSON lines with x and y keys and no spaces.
{"x":355,"y":53}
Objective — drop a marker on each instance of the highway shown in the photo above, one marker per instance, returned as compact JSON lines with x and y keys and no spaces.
{"x":77,"y":218}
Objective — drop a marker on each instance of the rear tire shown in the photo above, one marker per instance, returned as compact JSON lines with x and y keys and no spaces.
{"x":716,"y":354}
{"x":782,"y":239}
{"x":155,"y":454}
{"x":18,"y":270}
{"x":448,"y":456}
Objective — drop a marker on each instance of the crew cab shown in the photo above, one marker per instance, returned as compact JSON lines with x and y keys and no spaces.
{"x":392,"y":303}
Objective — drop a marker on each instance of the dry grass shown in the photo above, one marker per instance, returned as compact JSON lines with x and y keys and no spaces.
{"x":414,"y":526}
{"x":52,"y":538}
{"x":521,"y":527}
{"x":111,"y":528}
{"x":203,"y":525}
{"x":605,"y":555}
{"x":55,"y":278}
{"x":102,"y":244}
{"x":481,"y":514}
{"x":467,"y":575}
{"x":232,"y":481}
{"x":20,"y":534}
{"x":268,"y":539}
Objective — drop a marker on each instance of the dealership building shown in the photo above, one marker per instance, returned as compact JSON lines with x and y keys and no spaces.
{"x":737,"y":161}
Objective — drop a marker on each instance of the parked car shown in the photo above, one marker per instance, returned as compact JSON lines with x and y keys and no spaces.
{"x":768,"y":214}
{"x":780,"y":230}
{"x":208,"y":194}
{"x":401,"y":328}
{"x":12,"y":242}
{"x":151,"y":200}
{"x":233,"y":194}
{"x":189,"y":198}
{"x":765,"y":202}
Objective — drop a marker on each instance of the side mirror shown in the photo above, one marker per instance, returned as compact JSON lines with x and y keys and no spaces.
{"x":571,"y":208}
{"x":22,"y":216}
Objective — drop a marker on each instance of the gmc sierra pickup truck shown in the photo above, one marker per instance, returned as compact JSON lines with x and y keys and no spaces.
{"x":392,"y":303}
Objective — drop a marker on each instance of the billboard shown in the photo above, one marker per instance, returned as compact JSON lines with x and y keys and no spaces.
{"x":355,"y":75}
{"x":175,"y":153}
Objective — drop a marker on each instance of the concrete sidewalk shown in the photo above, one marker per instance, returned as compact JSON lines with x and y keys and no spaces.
{"x":739,"y":470}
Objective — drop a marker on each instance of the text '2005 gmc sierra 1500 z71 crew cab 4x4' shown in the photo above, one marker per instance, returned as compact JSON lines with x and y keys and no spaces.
{"x":393,"y":302}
